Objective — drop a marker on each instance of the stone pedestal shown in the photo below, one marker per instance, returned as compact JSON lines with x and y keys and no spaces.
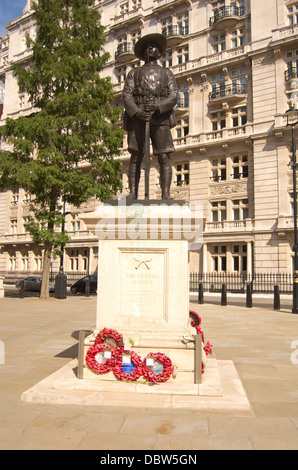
{"x":143,"y":278}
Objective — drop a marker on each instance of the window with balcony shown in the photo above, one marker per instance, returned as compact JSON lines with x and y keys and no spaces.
{"x":292,"y":64}
{"x":218,"y":120}
{"x":182,"y":128}
{"x":219,"y":170}
{"x":219,"y":43}
{"x":218,"y":211}
{"x":237,"y":38}
{"x":239,"y":167}
{"x":239,"y":116}
{"x":240,"y":209}
{"x":167,"y":60}
{"x":182,"y":55}
{"x":182,"y":174}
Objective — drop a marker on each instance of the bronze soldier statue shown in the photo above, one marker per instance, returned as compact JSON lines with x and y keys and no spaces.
{"x":150,"y":94}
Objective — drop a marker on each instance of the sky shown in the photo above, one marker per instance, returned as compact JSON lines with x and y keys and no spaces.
{"x":9,"y":10}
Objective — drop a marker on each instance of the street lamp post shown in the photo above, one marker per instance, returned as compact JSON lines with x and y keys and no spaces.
{"x":292,"y":120}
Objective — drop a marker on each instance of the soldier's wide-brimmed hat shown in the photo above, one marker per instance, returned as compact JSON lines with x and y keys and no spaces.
{"x":153,"y":38}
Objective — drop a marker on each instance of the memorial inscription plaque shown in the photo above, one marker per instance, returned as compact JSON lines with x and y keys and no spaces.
{"x":144,"y":283}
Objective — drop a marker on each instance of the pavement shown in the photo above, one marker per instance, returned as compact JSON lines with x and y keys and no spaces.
{"x":41,"y":336}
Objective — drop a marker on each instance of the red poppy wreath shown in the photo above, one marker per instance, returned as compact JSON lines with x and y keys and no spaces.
{"x":129,"y":370}
{"x":111,"y":337}
{"x":157,"y":367}
{"x":100,"y":358}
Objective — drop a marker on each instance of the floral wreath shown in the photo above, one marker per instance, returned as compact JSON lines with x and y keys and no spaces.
{"x":94,"y":365}
{"x":136,"y":361}
{"x":108,"y":333}
{"x":166,"y":372}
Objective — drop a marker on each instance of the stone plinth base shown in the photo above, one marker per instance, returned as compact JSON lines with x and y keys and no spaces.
{"x":221,"y":389}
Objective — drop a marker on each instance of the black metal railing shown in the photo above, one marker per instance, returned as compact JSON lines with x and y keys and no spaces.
{"x":223,"y":91}
{"x":262,"y":283}
{"x":226,"y":12}
{"x":126,"y":47}
{"x":291,"y":73}
{"x":176,"y":30}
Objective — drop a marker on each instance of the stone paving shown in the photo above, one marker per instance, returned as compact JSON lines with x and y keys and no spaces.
{"x":40,"y":337}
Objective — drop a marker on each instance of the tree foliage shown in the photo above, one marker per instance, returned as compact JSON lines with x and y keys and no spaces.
{"x":65,"y":149}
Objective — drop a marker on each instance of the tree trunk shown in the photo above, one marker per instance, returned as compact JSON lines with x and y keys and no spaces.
{"x":44,"y":292}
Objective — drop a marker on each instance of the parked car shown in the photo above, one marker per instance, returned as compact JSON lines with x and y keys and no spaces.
{"x":80,"y":286}
{"x":33,"y":283}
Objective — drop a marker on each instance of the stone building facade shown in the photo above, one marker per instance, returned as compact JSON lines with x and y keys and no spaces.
{"x":236,"y":66}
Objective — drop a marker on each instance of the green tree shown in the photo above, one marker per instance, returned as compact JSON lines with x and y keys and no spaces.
{"x":65,"y":149}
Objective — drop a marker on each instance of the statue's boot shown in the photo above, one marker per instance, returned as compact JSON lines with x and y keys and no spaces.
{"x":133,"y":177}
{"x":165,"y":175}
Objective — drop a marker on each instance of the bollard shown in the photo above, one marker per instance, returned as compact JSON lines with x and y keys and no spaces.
{"x":87,"y":288}
{"x":249,"y":295}
{"x":276,"y":305}
{"x":21,"y":289}
{"x":198,"y":359}
{"x":201,"y":294}
{"x":224,"y":295}
{"x":60,"y":286}
{"x":80,"y":369}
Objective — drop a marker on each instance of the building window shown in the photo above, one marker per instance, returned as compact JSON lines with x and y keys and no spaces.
{"x":293,"y":14}
{"x":135,"y":37}
{"x":237,"y":38}
{"x":239,"y":116}
{"x":13,"y":226}
{"x":183,"y":96}
{"x":123,"y":8}
{"x":240,"y":209}
{"x":121,"y":74}
{"x":238,"y":77}
{"x":25,"y":262}
{"x":37,"y":263}
{"x":183,"y":23}
{"x":218,"y":211}
{"x":218,"y":120}
{"x":74,"y":260}
{"x":240,"y":167}
{"x":219,"y":43}
{"x":239,"y":254}
{"x":182,"y":55}
{"x":182,"y":174}
{"x":15,"y":198}
{"x":75,"y":223}
{"x":12,"y":263}
{"x":25,"y":221}
{"x":219,"y":258}
{"x":219,"y":170}
{"x":182,"y":128}
{"x":167,"y":60}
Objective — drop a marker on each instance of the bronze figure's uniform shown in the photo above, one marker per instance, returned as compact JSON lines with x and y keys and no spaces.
{"x":150,"y":94}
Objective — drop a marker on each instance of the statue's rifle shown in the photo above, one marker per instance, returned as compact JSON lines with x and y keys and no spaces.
{"x":147,"y":154}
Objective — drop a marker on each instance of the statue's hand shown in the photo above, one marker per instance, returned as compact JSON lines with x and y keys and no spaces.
{"x":143,"y":116}
{"x":151,"y":108}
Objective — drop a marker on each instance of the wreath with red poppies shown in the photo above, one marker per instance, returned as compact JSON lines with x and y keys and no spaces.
{"x":131,"y":371}
{"x":100,"y":367}
{"x":111,"y":337}
{"x":167,"y":368}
